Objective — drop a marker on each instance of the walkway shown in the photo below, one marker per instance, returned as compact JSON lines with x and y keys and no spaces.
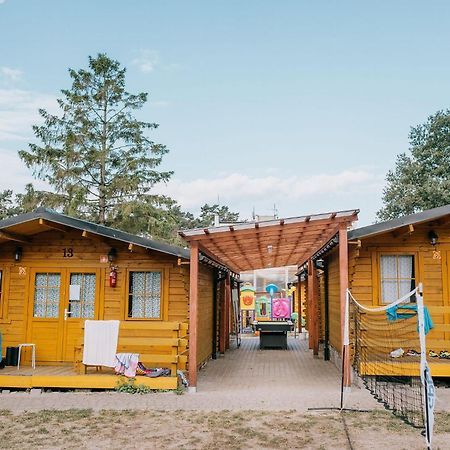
{"x":246,"y":378}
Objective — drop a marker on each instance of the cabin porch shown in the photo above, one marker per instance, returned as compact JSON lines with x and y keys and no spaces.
{"x":67,"y":377}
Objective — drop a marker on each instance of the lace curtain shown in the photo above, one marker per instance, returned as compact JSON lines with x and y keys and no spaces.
{"x":397,"y":276}
{"x":145,"y":295}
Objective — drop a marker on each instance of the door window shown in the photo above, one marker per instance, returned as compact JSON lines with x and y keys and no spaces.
{"x":46,"y":295}
{"x":82,"y":295}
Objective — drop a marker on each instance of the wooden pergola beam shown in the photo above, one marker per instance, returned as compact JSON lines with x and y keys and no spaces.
{"x":307,"y":222}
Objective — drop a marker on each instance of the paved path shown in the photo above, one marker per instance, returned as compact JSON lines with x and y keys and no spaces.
{"x":245,"y":378}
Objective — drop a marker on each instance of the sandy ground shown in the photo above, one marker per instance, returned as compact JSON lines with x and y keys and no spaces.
{"x":250,"y":399}
{"x":75,"y":429}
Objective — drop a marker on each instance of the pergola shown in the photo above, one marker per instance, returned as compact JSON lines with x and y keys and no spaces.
{"x":264,"y":244}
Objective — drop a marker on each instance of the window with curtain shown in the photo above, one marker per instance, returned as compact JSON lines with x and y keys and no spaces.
{"x":82,"y":305}
{"x":397,"y":277}
{"x":144,"y":297}
{"x":46,"y":295}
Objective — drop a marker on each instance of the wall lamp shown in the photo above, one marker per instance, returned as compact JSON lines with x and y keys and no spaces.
{"x":319,"y":264}
{"x":18,"y":254}
{"x":112,"y":255}
{"x":433,"y":237}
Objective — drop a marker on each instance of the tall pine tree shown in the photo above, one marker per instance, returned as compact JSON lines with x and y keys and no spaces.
{"x":95,"y":154}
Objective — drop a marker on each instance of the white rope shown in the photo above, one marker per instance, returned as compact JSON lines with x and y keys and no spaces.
{"x":403,"y":299}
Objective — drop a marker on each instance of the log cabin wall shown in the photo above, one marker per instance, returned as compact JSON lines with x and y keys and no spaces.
{"x":205,"y":313}
{"x":431,"y":271}
{"x":68,"y":252}
{"x":334,"y":300}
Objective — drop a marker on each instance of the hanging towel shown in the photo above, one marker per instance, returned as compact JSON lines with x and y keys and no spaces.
{"x":406,"y":311}
{"x":100,"y":342}
{"x":126,"y":364}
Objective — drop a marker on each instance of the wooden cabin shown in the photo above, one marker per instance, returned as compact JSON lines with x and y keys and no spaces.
{"x":385,"y":261}
{"x":57,"y":271}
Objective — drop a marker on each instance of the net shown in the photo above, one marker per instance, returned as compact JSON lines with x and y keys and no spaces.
{"x":387,"y":356}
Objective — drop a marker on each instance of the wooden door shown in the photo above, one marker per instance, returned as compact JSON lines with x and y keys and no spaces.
{"x":60,"y":301}
{"x":81,"y":296}
{"x":45,"y":327}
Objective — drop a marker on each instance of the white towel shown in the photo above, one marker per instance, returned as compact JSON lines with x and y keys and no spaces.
{"x":100,"y":342}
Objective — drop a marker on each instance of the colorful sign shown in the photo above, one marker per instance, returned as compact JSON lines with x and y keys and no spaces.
{"x":247,"y":299}
{"x":281,"y":308}
{"x":263,"y":308}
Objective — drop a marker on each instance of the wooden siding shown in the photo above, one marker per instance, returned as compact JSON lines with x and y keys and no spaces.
{"x":364,"y":278}
{"x":46,"y":253}
{"x":205,"y":314}
{"x":334,"y":308}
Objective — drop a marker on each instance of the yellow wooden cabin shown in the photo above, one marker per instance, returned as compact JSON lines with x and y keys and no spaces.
{"x":381,"y":263}
{"x":44,"y":255}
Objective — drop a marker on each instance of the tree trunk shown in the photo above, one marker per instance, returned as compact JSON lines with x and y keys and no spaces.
{"x":102,"y":193}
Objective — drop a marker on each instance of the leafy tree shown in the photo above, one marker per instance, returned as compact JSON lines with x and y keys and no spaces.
{"x":96,"y":154}
{"x":208,"y":213}
{"x":420,"y":180}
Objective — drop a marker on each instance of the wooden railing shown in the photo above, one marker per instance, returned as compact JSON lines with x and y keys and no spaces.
{"x":159,"y":344}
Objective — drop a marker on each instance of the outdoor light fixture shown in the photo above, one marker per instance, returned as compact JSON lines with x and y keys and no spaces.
{"x":319,"y":263}
{"x":18,"y":254}
{"x":112,"y":254}
{"x":269,"y":249}
{"x":433,"y":237}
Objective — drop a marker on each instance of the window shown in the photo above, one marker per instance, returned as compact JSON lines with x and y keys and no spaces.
{"x":46,"y":295}
{"x":397,"y":276}
{"x":144,"y":297}
{"x":82,"y":295}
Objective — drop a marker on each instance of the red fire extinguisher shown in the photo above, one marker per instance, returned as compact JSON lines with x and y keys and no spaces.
{"x":113,"y":277}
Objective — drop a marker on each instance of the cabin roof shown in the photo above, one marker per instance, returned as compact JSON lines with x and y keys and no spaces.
{"x":25,"y":225}
{"x":269,"y":243}
{"x":390,"y":225}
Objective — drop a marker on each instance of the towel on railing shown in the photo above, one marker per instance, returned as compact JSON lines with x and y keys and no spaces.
{"x":100,"y":342}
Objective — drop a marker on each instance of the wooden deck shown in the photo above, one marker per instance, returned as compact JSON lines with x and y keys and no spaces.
{"x":65,"y":377}
{"x":407,"y":366}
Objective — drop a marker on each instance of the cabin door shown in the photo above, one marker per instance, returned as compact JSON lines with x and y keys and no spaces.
{"x":81,"y":303}
{"x":60,"y":302}
{"x":45,"y":328}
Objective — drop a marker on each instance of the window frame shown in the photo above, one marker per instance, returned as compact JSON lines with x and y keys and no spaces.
{"x":164,"y":303}
{"x":378,"y":290}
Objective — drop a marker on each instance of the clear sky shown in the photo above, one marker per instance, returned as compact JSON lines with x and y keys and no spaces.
{"x":296,"y":103}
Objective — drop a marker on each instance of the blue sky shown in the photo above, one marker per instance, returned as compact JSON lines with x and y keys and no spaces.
{"x":295,"y":103}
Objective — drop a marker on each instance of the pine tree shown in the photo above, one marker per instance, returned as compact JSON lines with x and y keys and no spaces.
{"x":95,"y":154}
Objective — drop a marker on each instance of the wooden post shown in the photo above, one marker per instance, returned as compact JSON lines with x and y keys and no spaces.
{"x":227,"y":310}
{"x":193,"y":316}
{"x":313,"y":308}
{"x":343,"y":286}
